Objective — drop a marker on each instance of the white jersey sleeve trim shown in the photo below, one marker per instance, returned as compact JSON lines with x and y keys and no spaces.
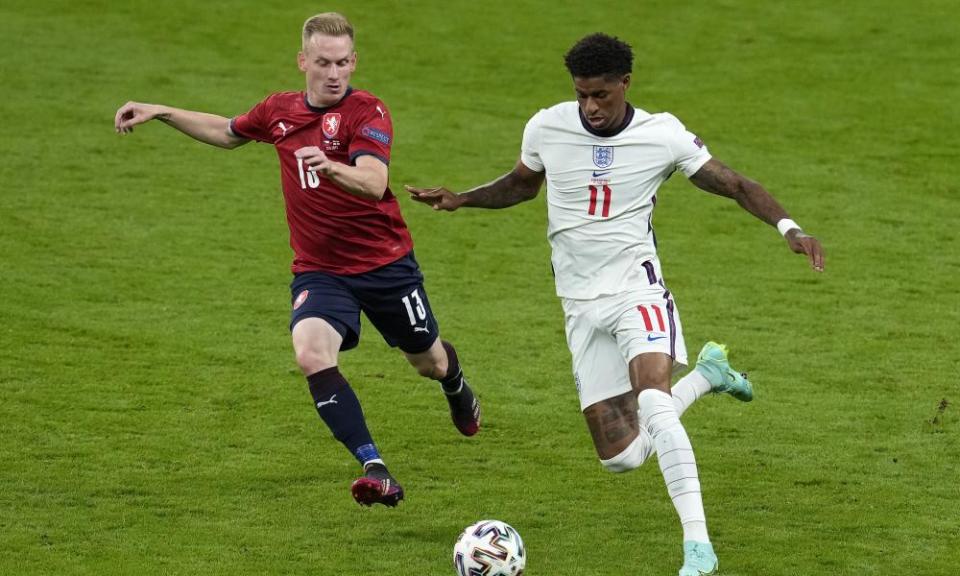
{"x":690,"y":169}
{"x":689,"y":153}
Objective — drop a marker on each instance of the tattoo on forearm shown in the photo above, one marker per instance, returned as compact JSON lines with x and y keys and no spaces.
{"x":501,"y":193}
{"x":717,"y":178}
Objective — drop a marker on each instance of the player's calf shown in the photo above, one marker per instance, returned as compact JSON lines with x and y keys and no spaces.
{"x":464,"y":407}
{"x":338,"y":406}
{"x":658,"y":415}
{"x":440,"y":363}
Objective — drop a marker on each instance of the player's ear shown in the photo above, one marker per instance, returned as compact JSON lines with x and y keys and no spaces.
{"x":354,"y":59}
{"x":302,"y":61}
{"x":626,"y":80}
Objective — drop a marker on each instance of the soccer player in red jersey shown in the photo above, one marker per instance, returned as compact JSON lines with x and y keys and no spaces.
{"x":352,"y":249}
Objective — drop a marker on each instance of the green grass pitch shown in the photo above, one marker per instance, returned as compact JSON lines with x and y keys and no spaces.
{"x":152,"y":419}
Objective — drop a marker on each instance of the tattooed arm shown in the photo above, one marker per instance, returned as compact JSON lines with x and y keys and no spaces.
{"x":717,"y":178}
{"x":518,"y":185}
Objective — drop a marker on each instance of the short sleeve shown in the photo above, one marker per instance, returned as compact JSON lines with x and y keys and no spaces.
{"x":373,"y":134}
{"x":689,"y":151}
{"x":530,"y":148}
{"x":255,"y":124}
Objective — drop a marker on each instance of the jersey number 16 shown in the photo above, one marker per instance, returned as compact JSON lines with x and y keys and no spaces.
{"x":307,"y":177}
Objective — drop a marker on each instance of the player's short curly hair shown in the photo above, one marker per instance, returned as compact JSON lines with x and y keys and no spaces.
{"x":599,"y":55}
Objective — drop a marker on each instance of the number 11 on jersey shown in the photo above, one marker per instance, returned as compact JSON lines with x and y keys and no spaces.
{"x":607,"y":193}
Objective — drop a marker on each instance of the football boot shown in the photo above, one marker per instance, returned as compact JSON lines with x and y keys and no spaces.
{"x":376,"y":486}
{"x":698,"y":559}
{"x":464,"y":409}
{"x":712,"y":363}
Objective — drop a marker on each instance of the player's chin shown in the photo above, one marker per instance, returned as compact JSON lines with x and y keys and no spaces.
{"x":331,"y":95}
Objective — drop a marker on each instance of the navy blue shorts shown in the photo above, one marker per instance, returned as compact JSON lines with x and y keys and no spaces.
{"x":391,"y":296}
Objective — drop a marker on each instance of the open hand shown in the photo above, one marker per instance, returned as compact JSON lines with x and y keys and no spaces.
{"x":439,"y":198}
{"x":806,"y":244}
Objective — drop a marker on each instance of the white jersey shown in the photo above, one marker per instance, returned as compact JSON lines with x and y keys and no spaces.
{"x":601,"y":191}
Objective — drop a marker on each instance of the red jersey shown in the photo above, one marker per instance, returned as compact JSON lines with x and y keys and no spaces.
{"x":331,"y":230}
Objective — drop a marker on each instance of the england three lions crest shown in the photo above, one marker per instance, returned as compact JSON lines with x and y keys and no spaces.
{"x":603,"y":156}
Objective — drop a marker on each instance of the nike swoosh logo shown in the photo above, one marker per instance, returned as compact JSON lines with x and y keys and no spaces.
{"x":599,"y":174}
{"x":652,"y":338}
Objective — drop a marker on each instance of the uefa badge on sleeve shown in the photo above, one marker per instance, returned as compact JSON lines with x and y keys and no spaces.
{"x":603,"y":156}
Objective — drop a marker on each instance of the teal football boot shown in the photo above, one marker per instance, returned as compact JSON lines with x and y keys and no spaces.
{"x":698,"y":559}
{"x":713,"y":364}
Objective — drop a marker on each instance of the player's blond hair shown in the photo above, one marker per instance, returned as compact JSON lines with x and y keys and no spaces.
{"x":329,"y":24}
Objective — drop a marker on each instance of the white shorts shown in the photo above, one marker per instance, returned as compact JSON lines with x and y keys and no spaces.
{"x":605,"y":333}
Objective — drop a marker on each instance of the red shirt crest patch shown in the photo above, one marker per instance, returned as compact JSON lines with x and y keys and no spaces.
{"x":331,"y":124}
{"x":301,"y":298}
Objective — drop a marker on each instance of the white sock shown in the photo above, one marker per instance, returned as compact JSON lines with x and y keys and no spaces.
{"x":633,"y":455}
{"x":677,"y":463}
{"x":692,"y":387}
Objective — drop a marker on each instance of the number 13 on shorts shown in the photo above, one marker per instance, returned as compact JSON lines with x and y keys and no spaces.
{"x":413,"y":302}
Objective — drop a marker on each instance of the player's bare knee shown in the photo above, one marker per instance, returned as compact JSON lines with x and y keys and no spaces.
{"x":432,"y":363}
{"x":425,"y":370}
{"x":430,"y":370}
{"x":312,"y":361}
{"x":439,"y":369}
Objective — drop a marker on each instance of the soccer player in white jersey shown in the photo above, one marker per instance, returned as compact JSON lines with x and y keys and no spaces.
{"x":603,"y":161}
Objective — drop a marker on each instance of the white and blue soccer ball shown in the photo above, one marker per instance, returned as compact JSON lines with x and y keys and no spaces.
{"x":489,"y":548}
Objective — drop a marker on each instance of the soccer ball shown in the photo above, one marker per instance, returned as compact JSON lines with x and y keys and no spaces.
{"x":489,"y":548}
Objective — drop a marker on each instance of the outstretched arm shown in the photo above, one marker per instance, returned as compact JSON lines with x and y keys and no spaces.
{"x":717,"y":178}
{"x":207,"y":128}
{"x":518,"y":185}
